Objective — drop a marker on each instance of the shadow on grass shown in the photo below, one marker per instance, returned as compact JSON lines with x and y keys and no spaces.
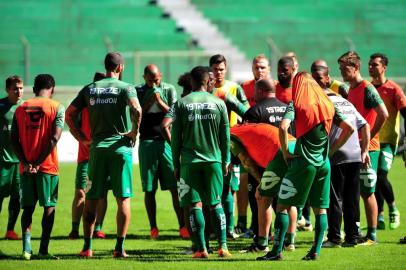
{"x":140,"y":255}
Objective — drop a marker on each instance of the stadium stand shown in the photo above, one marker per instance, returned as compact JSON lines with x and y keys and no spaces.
{"x":313,"y":30}
{"x":70,"y":38}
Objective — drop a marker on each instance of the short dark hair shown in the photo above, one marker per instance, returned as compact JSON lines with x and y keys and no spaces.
{"x":112,"y":61}
{"x":286,"y":60}
{"x":199,"y":74}
{"x":43,"y":81}
{"x":217,"y":59}
{"x":184,"y":81}
{"x":350,"y":58}
{"x":98,"y":76}
{"x":13,"y":80}
{"x":384,"y":58}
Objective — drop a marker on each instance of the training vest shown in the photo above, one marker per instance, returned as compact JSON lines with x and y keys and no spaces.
{"x":283,"y":94}
{"x":261,"y":141}
{"x":356,"y":96}
{"x":83,"y":153}
{"x":249,"y":89}
{"x":35,"y":121}
{"x":312,"y":106}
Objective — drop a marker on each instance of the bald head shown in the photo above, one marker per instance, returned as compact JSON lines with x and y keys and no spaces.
{"x":264,"y":88}
{"x":152,"y":75}
{"x":320,"y":73}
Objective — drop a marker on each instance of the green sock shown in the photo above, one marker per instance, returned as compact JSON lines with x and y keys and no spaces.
{"x":242,"y":222}
{"x":381,"y":217}
{"x":219,"y":221}
{"x":290,"y":238}
{"x":88,"y":243}
{"x":299,"y":213}
{"x":119,"y":244}
{"x":262,"y":241}
{"x":392,"y":208}
{"x":371,"y":233}
{"x":98,"y":227}
{"x":43,"y":246}
{"x":27,"y":242}
{"x":197,"y":224}
{"x":319,"y":229}
{"x":228,"y":206}
{"x":75,"y":226}
{"x":281,"y":227}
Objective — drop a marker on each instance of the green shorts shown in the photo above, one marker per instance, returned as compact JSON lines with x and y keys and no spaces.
{"x":386,"y":156}
{"x":304,"y":180}
{"x":368,"y":176}
{"x":81,"y":175}
{"x":41,"y":187}
{"x":115,"y":164}
{"x":156,"y":164}
{"x":9,"y":180}
{"x":274,"y":172}
{"x":200,"y":182}
{"x":233,"y":178}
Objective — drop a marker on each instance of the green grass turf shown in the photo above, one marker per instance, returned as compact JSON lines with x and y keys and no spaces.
{"x":166,"y":253}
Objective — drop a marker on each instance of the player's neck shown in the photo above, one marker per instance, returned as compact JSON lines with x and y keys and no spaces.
{"x":381,"y":79}
{"x":110,"y":74}
{"x":357,"y":80}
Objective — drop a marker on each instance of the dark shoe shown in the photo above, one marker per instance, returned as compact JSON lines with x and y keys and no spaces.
{"x":254,"y":248}
{"x":73,"y":235}
{"x":352,"y":243}
{"x":402,"y":240}
{"x":311,"y":257}
{"x":270,"y":257}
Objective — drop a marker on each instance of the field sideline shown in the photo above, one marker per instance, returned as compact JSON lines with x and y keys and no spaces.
{"x":166,"y":253}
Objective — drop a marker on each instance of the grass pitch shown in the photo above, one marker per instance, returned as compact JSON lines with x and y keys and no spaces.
{"x":166,"y":253}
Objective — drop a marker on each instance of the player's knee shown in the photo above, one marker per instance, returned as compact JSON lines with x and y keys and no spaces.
{"x":216,"y":206}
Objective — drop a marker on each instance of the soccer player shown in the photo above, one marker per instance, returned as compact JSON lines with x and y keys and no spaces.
{"x":308,"y":174}
{"x":365,"y":98}
{"x":114,"y":114}
{"x":345,"y":165}
{"x":261,"y":70}
{"x":286,"y":70}
{"x":37,"y":127}
{"x":295,"y":62}
{"x":9,"y":175}
{"x":81,"y":182}
{"x":395,"y":102}
{"x":270,"y":110}
{"x":237,"y":104}
{"x":155,"y":156}
{"x":201,"y":153}
{"x":257,"y":146}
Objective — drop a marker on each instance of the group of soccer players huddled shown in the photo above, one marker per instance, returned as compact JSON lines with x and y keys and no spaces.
{"x":283,"y":146}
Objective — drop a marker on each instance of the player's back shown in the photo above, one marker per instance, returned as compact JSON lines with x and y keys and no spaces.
{"x":107,"y":101}
{"x":35,"y":119}
{"x":203,"y":117}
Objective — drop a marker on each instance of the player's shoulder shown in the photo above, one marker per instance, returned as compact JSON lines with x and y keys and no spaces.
{"x":168,"y":86}
{"x":248,"y":83}
{"x":393,"y":85}
{"x":230,"y":84}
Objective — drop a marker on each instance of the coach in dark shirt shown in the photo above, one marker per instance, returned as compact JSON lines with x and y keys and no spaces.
{"x":268,"y":109}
